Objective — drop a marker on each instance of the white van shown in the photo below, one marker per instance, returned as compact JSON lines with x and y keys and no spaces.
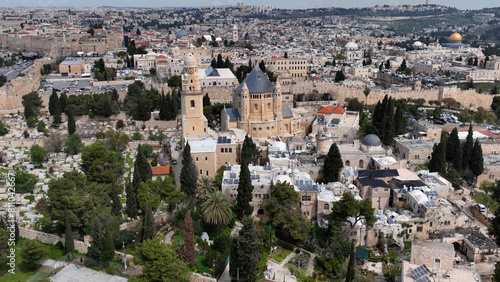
{"x":481,"y":207}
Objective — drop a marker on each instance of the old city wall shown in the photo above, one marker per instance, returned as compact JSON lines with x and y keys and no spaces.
{"x":26,"y":42}
{"x":340,"y":93}
{"x":219,"y":94}
{"x":11,"y":94}
{"x":52,"y":239}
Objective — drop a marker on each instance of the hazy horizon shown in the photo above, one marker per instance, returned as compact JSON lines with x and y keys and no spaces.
{"x":285,"y":4}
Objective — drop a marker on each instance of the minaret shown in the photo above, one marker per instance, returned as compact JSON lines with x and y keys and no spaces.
{"x":193,"y":120}
{"x":277,"y":100}
{"x":235,"y":33}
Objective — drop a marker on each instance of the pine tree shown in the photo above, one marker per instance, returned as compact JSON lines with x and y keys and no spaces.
{"x":453,"y":150}
{"x":351,"y":271}
{"x":333,"y":164}
{"x":245,"y":190}
{"x":187,"y":252}
{"x":69,"y":244}
{"x":246,"y":252}
{"x":148,"y":228}
{"x":467,"y":149}
{"x":71,"y":122}
{"x":54,"y":103}
{"x":132,"y":202}
{"x":476,"y":163}
{"x":188,"y":175}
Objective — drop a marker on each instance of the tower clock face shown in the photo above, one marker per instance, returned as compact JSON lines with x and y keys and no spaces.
{"x":190,"y":71}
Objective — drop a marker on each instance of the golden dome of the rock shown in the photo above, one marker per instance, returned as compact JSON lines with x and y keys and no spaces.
{"x":456,"y":37}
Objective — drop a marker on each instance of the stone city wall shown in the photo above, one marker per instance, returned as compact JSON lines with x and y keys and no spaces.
{"x":466,"y":98}
{"x":26,"y":42}
{"x":52,"y":239}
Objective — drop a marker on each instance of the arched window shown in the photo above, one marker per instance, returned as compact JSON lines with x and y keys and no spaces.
{"x":254,"y":129}
{"x":361,"y":164}
{"x":348,"y":163}
{"x":255,"y":107}
{"x":268,"y":106}
{"x":191,"y":81}
{"x":286,"y":127}
{"x":192,"y":103}
{"x":326,"y":207}
{"x":215,"y":83}
{"x":230,"y":150}
{"x":225,"y":150}
{"x":260,"y":128}
{"x":222,"y":150}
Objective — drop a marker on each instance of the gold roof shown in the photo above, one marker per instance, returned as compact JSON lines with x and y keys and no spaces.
{"x":456,"y":37}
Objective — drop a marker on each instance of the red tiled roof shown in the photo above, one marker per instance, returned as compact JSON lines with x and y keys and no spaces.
{"x":331,"y":110}
{"x":161,"y":170}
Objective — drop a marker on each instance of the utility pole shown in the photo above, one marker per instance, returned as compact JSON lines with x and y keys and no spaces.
{"x":124,"y":257}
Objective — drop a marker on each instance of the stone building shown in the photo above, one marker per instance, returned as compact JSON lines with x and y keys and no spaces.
{"x":258,"y":109}
{"x":194,"y":123}
{"x":337,"y":123}
{"x":416,"y":151}
{"x":293,"y":67}
{"x":71,"y":66}
{"x":435,"y":255}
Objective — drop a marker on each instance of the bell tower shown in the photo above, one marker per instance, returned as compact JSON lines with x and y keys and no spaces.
{"x":194,"y":123}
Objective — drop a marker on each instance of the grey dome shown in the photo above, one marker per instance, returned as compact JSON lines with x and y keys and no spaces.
{"x":371,"y":140}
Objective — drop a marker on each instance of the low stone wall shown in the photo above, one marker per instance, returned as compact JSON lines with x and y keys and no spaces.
{"x":196,"y":277}
{"x":52,"y":239}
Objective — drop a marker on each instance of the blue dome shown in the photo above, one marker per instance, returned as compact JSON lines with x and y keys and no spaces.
{"x":182,"y":33}
{"x":371,"y":140}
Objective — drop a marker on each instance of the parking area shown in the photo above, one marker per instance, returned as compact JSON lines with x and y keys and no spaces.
{"x":13,"y":71}
{"x":78,"y":85}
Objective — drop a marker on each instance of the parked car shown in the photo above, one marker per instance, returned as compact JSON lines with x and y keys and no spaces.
{"x":174,"y":161}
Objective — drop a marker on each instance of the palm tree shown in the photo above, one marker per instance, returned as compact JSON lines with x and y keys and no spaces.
{"x":205,"y":187}
{"x":216,"y":209}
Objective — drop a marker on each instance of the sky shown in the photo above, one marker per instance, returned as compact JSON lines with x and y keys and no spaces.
{"x":290,"y":4}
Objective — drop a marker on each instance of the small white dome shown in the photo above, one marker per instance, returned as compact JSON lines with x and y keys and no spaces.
{"x":282,"y":179}
{"x":351,"y":45}
{"x":190,"y":61}
{"x":417,"y":44}
{"x":278,"y":147}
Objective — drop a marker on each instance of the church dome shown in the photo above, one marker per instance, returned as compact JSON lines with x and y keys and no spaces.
{"x":190,"y":61}
{"x":456,"y":37}
{"x":278,"y":147}
{"x":371,"y":140}
{"x":351,"y":45}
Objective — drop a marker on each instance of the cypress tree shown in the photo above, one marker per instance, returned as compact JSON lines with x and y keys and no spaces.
{"x":71,"y":122}
{"x":142,"y":169}
{"x":163,"y":115}
{"x":54,"y":103}
{"x":399,"y":121}
{"x":438,"y":159}
{"x":57,"y":117}
{"x":246,"y":252}
{"x":131,"y":200}
{"x":213,"y":63}
{"x":148,"y":228}
{"x":189,"y":174}
{"x":453,"y":150}
{"x":245,"y":190}
{"x":467,"y":149}
{"x":220,"y":61}
{"x":389,"y":123}
{"x":206,"y":101}
{"x":69,"y":244}
{"x":187,"y":252}
{"x":63,"y":101}
{"x":249,"y":151}
{"x":333,"y":164}
{"x":476,"y":163}
{"x":116,"y":207}
{"x":351,"y":272}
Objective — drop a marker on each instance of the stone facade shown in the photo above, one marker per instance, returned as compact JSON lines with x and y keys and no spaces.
{"x":433,"y":254}
{"x":194,"y":123}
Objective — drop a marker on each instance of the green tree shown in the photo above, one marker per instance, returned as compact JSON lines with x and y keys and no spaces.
{"x":349,"y":207}
{"x":339,"y":76}
{"x":285,"y":213}
{"x":366,"y":92}
{"x":216,"y":209}
{"x":175,"y":81}
{"x":63,"y":101}
{"x":69,"y":244}
{"x":205,"y":187}
{"x":71,"y":122}
{"x":399,"y":121}
{"x":132,"y":203}
{"x":3,"y":80}
{"x":54,"y":103}
{"x":187,"y":252}
{"x":101,"y":165}
{"x":40,"y":127}
{"x":476,"y":163}
{"x":333,"y":164}
{"x":245,"y":190}
{"x":246,"y":252}
{"x":38,"y":154}
{"x":32,"y":103}
{"x":188,"y":173}
{"x":351,"y":271}
{"x":32,"y":253}
{"x":453,"y":150}
{"x":4,"y":129}
{"x":249,"y":151}
{"x":160,"y":263}
{"x":438,"y":159}
{"x":480,"y":115}
{"x":103,"y":229}
{"x":148,"y":228}
{"x":73,"y":144}
{"x":113,"y":140}
{"x":24,"y":181}
{"x":496,"y":274}
{"x":467,"y":149}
